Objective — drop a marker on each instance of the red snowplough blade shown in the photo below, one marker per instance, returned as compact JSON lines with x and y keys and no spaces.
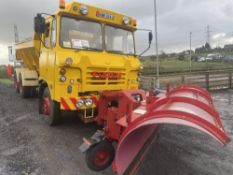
{"x":187,"y":105}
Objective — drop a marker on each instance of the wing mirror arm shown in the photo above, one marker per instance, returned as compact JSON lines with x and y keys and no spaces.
{"x":40,"y":25}
{"x":150,"y":38}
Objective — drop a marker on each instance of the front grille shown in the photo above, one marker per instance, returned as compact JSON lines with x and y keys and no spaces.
{"x":90,"y":80}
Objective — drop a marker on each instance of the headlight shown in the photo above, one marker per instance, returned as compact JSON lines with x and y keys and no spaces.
{"x":83,"y":10}
{"x":69,"y":61}
{"x":126,"y":20}
{"x":80,"y":103}
{"x":62,"y":78}
{"x":88,"y":102}
{"x":135,"y":23}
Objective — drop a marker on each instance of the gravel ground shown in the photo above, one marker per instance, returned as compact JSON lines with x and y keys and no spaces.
{"x":29,"y":146}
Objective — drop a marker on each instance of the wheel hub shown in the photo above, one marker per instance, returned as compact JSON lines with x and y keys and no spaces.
{"x":46,"y":106}
{"x":101,"y":157}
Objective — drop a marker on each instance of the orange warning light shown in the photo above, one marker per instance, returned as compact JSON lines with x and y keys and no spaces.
{"x":135,"y":23}
{"x":62,"y":4}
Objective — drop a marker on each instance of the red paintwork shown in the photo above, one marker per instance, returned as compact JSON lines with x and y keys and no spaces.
{"x":9,"y":71}
{"x":74,"y":101}
{"x":64,"y":104}
{"x":111,"y":114}
{"x":101,"y":157}
{"x":95,"y":101}
{"x":46,"y":106}
{"x":192,"y":90}
{"x":105,"y":75}
{"x":131,"y":123}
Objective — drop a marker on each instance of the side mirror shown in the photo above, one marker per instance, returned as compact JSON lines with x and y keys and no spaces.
{"x":39,"y":24}
{"x":150,"y":37}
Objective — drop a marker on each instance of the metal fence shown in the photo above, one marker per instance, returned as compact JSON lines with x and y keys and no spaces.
{"x":210,"y":80}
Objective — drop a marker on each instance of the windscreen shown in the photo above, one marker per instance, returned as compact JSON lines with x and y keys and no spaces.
{"x":119,"y":40}
{"x":79,"y":34}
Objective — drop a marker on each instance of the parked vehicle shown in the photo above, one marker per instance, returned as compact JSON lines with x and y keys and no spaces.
{"x":209,"y":58}
{"x":215,"y":57}
{"x":202,"y":59}
{"x":228,"y":58}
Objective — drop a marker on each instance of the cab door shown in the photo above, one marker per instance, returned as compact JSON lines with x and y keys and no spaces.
{"x":48,"y":55}
{"x":52,"y":57}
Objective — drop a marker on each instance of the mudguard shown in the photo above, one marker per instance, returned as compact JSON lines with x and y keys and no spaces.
{"x":187,"y":105}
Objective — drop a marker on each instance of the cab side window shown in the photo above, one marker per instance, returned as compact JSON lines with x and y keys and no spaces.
{"x":47,"y":36}
{"x":53,"y":34}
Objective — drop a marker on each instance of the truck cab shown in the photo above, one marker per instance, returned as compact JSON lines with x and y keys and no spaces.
{"x":84,"y":50}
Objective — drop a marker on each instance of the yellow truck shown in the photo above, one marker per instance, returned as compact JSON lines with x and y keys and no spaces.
{"x":83,"y":59}
{"x":74,"y":55}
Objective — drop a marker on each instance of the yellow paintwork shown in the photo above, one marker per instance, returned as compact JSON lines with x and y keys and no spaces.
{"x":29,"y":77}
{"x":92,"y":15}
{"x":51,"y":60}
{"x":28,"y":51}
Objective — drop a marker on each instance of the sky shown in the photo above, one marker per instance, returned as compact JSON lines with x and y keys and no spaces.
{"x":176,"y":19}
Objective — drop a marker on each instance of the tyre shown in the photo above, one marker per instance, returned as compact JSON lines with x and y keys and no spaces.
{"x":16,"y":84}
{"x":50,"y":108}
{"x":100,"y":156}
{"x":33,"y":92}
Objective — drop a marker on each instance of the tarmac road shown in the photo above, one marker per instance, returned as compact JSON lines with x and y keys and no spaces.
{"x":29,"y":146}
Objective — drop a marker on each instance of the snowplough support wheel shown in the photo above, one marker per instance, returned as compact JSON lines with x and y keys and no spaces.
{"x":100,"y":156}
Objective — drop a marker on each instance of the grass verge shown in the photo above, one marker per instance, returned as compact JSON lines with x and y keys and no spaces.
{"x":6,"y":81}
{"x":177,"y":66}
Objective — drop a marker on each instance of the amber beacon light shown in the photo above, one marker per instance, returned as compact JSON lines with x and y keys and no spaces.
{"x":62,"y":4}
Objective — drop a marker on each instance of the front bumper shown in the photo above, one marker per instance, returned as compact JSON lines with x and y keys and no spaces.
{"x":70,"y":104}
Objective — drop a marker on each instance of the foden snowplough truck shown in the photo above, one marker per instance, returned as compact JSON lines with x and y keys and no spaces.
{"x":83,"y":59}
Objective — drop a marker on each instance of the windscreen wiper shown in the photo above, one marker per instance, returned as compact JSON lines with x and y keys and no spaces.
{"x":91,"y":48}
{"x":116,"y":51}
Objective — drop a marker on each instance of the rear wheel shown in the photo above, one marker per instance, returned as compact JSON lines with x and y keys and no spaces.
{"x":100,"y":156}
{"x":33,"y":91}
{"x":16,"y":84}
{"x":50,"y":108}
{"x":23,"y":90}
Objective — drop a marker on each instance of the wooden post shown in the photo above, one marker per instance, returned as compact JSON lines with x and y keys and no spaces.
{"x":207,"y":79}
{"x":155,"y":80}
{"x":152,"y":85}
{"x":182,"y":79}
{"x":230,"y":80}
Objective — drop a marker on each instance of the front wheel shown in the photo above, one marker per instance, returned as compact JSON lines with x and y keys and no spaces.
{"x":100,"y":156}
{"x":50,"y":108}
